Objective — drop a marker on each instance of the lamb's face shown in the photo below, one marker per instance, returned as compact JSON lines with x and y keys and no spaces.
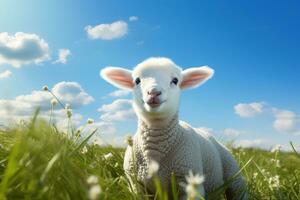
{"x":156,"y":84}
{"x":156,"y":89}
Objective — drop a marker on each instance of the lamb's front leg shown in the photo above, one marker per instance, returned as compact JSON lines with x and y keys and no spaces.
{"x":129,"y":168}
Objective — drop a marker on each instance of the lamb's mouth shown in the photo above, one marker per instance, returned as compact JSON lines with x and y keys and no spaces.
{"x":153,"y":103}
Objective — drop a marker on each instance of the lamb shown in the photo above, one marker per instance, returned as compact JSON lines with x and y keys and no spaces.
{"x":175,"y":145}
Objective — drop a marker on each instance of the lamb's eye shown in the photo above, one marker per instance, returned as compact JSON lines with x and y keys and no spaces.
{"x":175,"y":81}
{"x":137,"y":81}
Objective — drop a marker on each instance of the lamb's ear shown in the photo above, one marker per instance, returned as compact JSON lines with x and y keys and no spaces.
{"x":118,"y":77}
{"x":194,"y":77}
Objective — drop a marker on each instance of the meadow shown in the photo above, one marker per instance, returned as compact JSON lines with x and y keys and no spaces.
{"x":37,"y":161}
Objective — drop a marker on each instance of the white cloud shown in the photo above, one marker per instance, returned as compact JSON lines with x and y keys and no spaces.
{"x":119,"y":93}
{"x":112,"y":116}
{"x":5,"y":74}
{"x":118,"y":110}
{"x":133,"y":18}
{"x":22,"y":48}
{"x":230,"y":132}
{"x":265,"y":144}
{"x":59,"y":117}
{"x":106,"y":129}
{"x":107,"y":31}
{"x":106,"y":133}
{"x":249,"y":109}
{"x":72,"y":93}
{"x":257,"y":143}
{"x":63,"y":54}
{"x":286,"y":121}
{"x":23,"y":106}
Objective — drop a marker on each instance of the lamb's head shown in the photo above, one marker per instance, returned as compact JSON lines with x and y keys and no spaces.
{"x":156,"y":84}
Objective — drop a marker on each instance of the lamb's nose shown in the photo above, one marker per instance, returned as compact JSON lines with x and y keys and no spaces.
{"x":154,"y":92}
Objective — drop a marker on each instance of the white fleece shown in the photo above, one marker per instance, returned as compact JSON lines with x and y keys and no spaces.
{"x":180,"y":148}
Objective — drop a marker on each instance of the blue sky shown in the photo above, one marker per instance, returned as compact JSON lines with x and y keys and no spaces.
{"x":253,"y":47}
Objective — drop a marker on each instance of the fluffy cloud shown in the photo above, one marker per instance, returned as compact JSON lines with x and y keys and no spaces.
{"x":286,"y":121}
{"x":72,"y":93}
{"x":107,"y":131}
{"x":63,"y":54}
{"x":119,"y":93}
{"x":230,"y":132}
{"x":5,"y":74}
{"x":105,"y":128}
{"x":250,"y":109}
{"x":257,"y":143}
{"x":112,"y":116}
{"x":22,"y":48}
{"x":59,"y":117}
{"x":23,"y":106}
{"x":265,"y":144}
{"x":107,"y":31}
{"x":133,"y":18}
{"x":118,"y":110}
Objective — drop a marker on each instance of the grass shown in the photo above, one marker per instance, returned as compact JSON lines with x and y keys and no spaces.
{"x":39,"y":162}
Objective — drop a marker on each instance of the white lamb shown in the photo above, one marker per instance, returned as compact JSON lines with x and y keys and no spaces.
{"x":175,"y":145}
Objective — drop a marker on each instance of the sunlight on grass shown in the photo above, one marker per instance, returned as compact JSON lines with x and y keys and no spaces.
{"x":37,"y":161}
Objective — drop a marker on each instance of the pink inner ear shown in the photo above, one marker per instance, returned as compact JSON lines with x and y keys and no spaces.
{"x":192,"y":79}
{"x":121,"y":78}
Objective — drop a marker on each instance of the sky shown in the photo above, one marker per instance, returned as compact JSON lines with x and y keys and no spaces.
{"x":253,"y":98}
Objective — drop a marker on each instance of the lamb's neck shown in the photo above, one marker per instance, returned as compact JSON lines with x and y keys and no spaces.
{"x":158,"y":141}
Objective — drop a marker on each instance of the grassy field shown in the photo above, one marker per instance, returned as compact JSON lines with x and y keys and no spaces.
{"x":39,"y":162}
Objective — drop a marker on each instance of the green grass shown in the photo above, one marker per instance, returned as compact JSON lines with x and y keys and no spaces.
{"x":39,"y":162}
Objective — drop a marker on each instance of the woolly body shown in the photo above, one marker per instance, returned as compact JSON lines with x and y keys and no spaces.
{"x":179,"y":149}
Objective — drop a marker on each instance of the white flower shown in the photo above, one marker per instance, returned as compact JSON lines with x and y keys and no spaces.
{"x":108,"y":156}
{"x":276,"y":161}
{"x":94,"y":192}
{"x":84,"y":150}
{"x":153,"y":168}
{"x":45,"y":88}
{"x":274,"y":182}
{"x":129,"y":140}
{"x":54,"y":102}
{"x":193,"y":181}
{"x":89,"y":121}
{"x":276,"y":148}
{"x":92,"y":180}
{"x":255,"y":174}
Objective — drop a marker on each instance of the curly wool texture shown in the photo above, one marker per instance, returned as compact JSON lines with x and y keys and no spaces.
{"x":179,"y":148}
